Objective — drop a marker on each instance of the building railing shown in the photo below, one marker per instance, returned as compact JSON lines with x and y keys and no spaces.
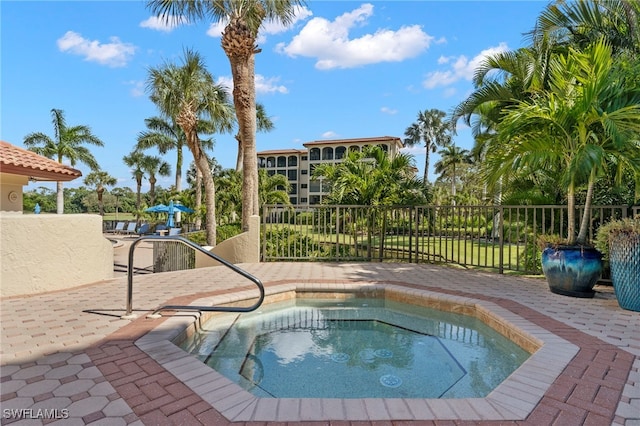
{"x":503,"y":238}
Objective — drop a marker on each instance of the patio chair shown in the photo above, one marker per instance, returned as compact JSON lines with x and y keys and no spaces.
{"x":119,"y":228}
{"x":175,"y":231}
{"x":131,"y":228}
{"x":144,"y":229}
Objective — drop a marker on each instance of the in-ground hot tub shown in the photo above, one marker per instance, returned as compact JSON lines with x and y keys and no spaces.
{"x":512,"y":399}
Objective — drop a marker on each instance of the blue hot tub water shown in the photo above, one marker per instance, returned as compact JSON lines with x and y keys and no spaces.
{"x":356,"y":348}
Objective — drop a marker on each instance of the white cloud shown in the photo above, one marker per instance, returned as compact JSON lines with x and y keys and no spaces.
{"x":414,"y":150}
{"x":329,"y":42}
{"x":460,"y":68}
{"x":163,"y":24}
{"x":113,"y":54}
{"x":267,"y":28}
{"x":264,"y":85}
{"x":137,"y":88}
{"x":329,"y":135}
{"x":388,"y":110}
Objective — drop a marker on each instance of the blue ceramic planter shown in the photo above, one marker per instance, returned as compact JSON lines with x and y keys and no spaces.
{"x":572,"y":271}
{"x":624,"y":258}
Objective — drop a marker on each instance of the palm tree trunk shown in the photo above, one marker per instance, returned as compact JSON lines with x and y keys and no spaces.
{"x":202,"y":164}
{"x":582,"y":234}
{"x":425,"y":177}
{"x":242,"y":70}
{"x":100,"y":202}
{"x":240,"y":156}
{"x":179,"y":170}
{"x":198,"y":197}
{"x":59,"y":198}
{"x":571,"y":215}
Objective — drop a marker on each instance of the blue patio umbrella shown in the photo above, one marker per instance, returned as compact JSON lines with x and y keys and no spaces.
{"x":171,"y":210}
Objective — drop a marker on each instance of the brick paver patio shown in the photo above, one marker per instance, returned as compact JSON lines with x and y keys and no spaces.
{"x":69,"y":353}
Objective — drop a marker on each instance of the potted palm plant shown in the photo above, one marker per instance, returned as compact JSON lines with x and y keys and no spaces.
{"x":619,"y":240}
{"x":586,"y":120}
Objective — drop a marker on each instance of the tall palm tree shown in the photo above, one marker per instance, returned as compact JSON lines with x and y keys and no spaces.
{"x":587,"y":122}
{"x":99,"y":179}
{"x":451,"y":157}
{"x":188,"y":93}
{"x":244,"y":19}
{"x":264,"y":124}
{"x":67,"y":143}
{"x":431,"y":129}
{"x":135,"y":160}
{"x":155,"y":166}
{"x":165,"y":135}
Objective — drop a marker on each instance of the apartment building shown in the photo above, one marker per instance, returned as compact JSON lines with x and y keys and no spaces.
{"x":298,"y":164}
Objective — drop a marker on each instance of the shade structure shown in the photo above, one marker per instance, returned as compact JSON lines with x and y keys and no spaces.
{"x":171,"y":210}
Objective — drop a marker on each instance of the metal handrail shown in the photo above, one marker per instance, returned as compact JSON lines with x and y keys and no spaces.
{"x":255,"y":280}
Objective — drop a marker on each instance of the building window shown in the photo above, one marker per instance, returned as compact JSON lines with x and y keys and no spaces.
{"x":303,"y":171}
{"x":314,"y":199}
{"x":303,"y":199}
{"x":292,"y":175}
{"x":314,"y":154}
{"x":271,"y":161}
{"x":354,"y":148}
{"x":282,"y":161}
{"x":271,"y":172}
{"x":327,"y":153}
{"x":262,"y":162}
{"x":293,"y":189}
{"x":314,"y":186}
{"x":303,"y":185}
{"x":303,"y":158}
{"x":292,"y":161}
{"x":282,"y":172}
{"x":384,"y":147}
{"x":340,"y":151}
{"x":294,"y":200}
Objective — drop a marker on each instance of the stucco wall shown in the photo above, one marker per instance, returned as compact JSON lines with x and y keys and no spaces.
{"x":52,"y":252}
{"x":11,"y":184}
{"x":243,"y":248}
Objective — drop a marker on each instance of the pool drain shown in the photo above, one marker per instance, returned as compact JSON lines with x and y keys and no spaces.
{"x":340,"y":357}
{"x":390,"y":381}
{"x":383,"y":353}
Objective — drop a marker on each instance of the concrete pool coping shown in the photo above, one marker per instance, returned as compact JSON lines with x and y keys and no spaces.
{"x":513,"y":400}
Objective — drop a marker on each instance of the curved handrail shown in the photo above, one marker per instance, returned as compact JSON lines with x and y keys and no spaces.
{"x":255,"y":280}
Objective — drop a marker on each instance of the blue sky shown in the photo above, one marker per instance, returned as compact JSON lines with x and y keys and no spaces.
{"x":344,"y":69}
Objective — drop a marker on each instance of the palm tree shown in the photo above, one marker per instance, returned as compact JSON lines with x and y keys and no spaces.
{"x":583,"y":22}
{"x":155,"y":166}
{"x":189,"y":93}
{"x":273,"y":189}
{"x":264,"y":124}
{"x":99,"y":179}
{"x":165,"y":135}
{"x":450,"y":158}
{"x":244,"y":19}
{"x":587,"y":122}
{"x":67,"y":143}
{"x":431,"y":129}
{"x":134,"y":160}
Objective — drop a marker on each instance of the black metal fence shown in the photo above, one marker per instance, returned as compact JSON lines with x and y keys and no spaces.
{"x":504,"y":238}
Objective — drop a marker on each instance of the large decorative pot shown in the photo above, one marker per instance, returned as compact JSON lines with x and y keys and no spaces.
{"x":571,"y":270}
{"x":624,"y":258}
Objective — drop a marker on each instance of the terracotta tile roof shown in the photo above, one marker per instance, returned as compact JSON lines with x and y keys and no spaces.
{"x":18,"y":161}
{"x":379,"y":139}
{"x":282,"y":151}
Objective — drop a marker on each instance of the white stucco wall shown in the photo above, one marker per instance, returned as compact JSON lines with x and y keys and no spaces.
{"x":47,"y":252}
{"x":10,"y":185}
{"x":243,"y":248}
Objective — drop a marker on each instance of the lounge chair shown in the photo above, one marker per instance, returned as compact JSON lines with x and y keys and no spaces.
{"x":131,"y":228}
{"x":174,"y":231}
{"x":119,"y":228}
{"x":144,"y":229}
